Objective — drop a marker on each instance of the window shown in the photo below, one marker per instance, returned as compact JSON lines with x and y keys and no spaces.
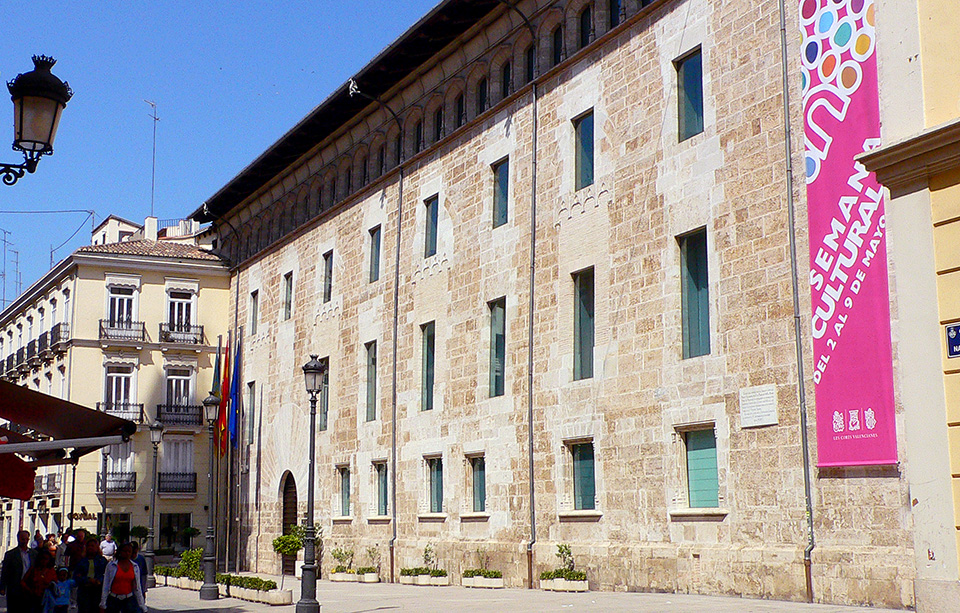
{"x":431,"y":206}
{"x":418,"y":137}
{"x":251,"y":410}
{"x":498,"y":346}
{"x":382,"y":489}
{"x":179,"y":306}
{"x":426,"y":387}
{"x":529,"y":63}
{"x":172,"y":526}
{"x":66,"y":307}
{"x":121,"y":307}
{"x":178,"y":388}
{"x":333,"y":190}
{"x":501,"y":190}
{"x":398,"y":149}
{"x":324,"y":395}
{"x":478,"y":470}
{"x":364,"y":171}
{"x":381,"y":161}
{"x":583,"y":325}
{"x":371,"y":380}
{"x":584,"y":486}
{"x":703,"y":485}
{"x":614,"y":9}
{"x":586,"y":23}
{"x":118,"y":391}
{"x":348,"y":182}
{"x":481,"y":96}
{"x":287,"y":295}
{"x":254,"y":308}
{"x":374,"y":254}
{"x":53,"y":313}
{"x":461,"y":111}
{"x":690,"y":94}
{"x":178,"y":457}
{"x":41,"y":329}
{"x":438,"y":124}
{"x":583,"y":128}
{"x":344,"y":490}
{"x":505,"y":76}
{"x":121,"y":458}
{"x":435,"y":470}
{"x":694,"y":294}
{"x":557,"y":45}
{"x":328,"y":276}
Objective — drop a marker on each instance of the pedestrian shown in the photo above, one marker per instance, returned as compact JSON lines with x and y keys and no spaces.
{"x":51,"y":544}
{"x":76,"y":548}
{"x":16,"y":563}
{"x":121,"y":585}
{"x":140,"y":561}
{"x":35,"y":582}
{"x":37,"y":541}
{"x":60,"y":591}
{"x":61,"y":558}
{"x":89,"y":577}
{"x":108,"y":547}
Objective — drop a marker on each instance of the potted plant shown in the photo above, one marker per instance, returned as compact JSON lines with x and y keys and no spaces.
{"x":371,"y":573}
{"x":428,"y":574}
{"x":139,"y":532}
{"x":190,"y":532}
{"x":565,"y":578}
{"x":287,"y":545}
{"x":343,"y":571}
{"x":482,"y":576}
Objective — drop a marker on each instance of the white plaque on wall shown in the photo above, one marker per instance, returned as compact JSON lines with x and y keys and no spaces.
{"x":758,"y":406}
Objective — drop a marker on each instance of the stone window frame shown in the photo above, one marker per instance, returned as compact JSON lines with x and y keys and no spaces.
{"x":680,"y":508}
{"x":567,"y":511}
{"x":427,"y":514}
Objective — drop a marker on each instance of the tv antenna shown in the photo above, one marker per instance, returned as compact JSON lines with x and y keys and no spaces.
{"x":153,"y":172}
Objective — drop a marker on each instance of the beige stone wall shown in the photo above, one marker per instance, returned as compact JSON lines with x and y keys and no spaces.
{"x":648,"y":189}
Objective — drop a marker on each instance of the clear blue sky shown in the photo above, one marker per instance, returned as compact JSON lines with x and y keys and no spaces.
{"x":229,"y":79}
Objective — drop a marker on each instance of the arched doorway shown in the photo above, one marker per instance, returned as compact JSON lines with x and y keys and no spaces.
{"x":288,"y":490}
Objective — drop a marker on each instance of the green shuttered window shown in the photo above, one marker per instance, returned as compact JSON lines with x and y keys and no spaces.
{"x":498,"y":346}
{"x":375,"y":254}
{"x":381,"y":488}
{"x":287,"y":295}
{"x":435,"y":466}
{"x":344,"y":491}
{"x":324,"y":393}
{"x":501,"y":187}
{"x":583,"y":128}
{"x":478,"y":466}
{"x":584,"y":487}
{"x":431,"y":210}
{"x":426,"y":388}
{"x":702,"y":482}
{"x":695,"y":294}
{"x":371,"y":380}
{"x":583,"y":325}
{"x":327,"y":276}
{"x":690,"y":94}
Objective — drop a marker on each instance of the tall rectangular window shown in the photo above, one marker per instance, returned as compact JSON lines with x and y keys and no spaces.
{"x":501,"y":191}
{"x":584,"y":485}
{"x":438,"y":124}
{"x":375,"y":254}
{"x":461,"y":111}
{"x":506,"y":78}
{"x":254,"y":311}
{"x":348,"y":182}
{"x":324,"y":400}
{"x":371,"y":380}
{"x":381,"y":161}
{"x":694,"y":294}
{"x":432,"y":211}
{"x":690,"y":94}
{"x":121,"y":312}
{"x":482,"y":96}
{"x":586,"y":23}
{"x":382,"y":488}
{"x":529,"y":63}
{"x":435,"y":469}
{"x":179,"y":307}
{"x":479,"y":473}
{"x":418,"y":137}
{"x":583,"y":324}
{"x":250,"y":410}
{"x":287,"y":295}
{"x":119,"y":392}
{"x":583,"y":128}
{"x":703,"y":484}
{"x":498,"y":346}
{"x":344,"y":490}
{"x":427,"y":379}
{"x":398,"y":149}
{"x":179,"y":393}
{"x":364,"y":170}
{"x":328,"y":276}
{"x":557,"y":55}
{"x":614,"y":12}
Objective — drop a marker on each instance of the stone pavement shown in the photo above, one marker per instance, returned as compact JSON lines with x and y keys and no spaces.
{"x":360,"y":598}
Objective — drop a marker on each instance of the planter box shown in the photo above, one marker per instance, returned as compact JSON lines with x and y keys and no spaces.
{"x":546,"y":584}
{"x":440,"y":581}
{"x":343,"y":577}
{"x":276,"y":597}
{"x":489,"y":582}
{"x":563,"y":585}
{"x":369,"y":578}
{"x":423,"y":579}
{"x":407,"y":579}
{"x":468,"y":581}
{"x":224,"y":590}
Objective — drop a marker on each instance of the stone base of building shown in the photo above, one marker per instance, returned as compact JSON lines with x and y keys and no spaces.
{"x":937,"y":596}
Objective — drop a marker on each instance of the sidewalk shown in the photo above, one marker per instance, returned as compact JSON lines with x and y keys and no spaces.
{"x":356,"y":598}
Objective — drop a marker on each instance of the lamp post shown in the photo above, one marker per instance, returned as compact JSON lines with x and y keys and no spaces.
{"x":209,"y":590}
{"x":38,"y":100}
{"x":156,"y":434}
{"x":313,"y":372}
{"x":103,"y":525}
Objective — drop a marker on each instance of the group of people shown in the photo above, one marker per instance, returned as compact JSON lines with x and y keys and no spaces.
{"x":100,"y":576}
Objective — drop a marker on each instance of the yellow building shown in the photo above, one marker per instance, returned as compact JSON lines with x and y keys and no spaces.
{"x":919,"y":162}
{"x":126,"y":325}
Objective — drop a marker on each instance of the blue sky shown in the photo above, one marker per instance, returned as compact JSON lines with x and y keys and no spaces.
{"x":229,"y":79}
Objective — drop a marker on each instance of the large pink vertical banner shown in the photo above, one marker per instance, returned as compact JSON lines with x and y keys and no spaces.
{"x":853,"y":357}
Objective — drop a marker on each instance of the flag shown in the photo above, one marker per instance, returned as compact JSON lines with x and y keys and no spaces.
{"x":235,"y":397}
{"x":216,"y":369}
{"x":224,"y":400}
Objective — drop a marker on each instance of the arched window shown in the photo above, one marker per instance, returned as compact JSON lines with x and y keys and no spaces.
{"x":438,"y":123}
{"x":381,"y":161}
{"x":557,"y":45}
{"x":505,"y":83}
{"x":529,"y":62}
{"x":585,"y":24}
{"x":461,"y":111}
{"x":418,"y":137}
{"x":482,"y":96}
{"x":364,"y":171}
{"x":614,"y":13}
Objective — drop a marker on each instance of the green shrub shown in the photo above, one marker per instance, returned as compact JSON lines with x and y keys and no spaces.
{"x":574,"y":575}
{"x":343,"y":569}
{"x":190,"y":564}
{"x":484,"y":572}
{"x":139,"y":532}
{"x":492,"y":574}
{"x":287,"y":545}
{"x":406,"y":572}
{"x":365,"y":570}
{"x":165,"y":571}
{"x":565,"y":555}
{"x":548,"y":575}
{"x":343,"y":556}
{"x":472,"y":572}
{"x":253,"y":583}
{"x":438,"y":572}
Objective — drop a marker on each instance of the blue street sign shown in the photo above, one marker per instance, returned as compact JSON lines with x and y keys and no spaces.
{"x":953,"y":340}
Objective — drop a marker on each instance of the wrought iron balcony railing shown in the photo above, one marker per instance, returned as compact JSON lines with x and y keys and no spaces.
{"x":43,"y":343}
{"x":32,"y":350}
{"x":44,"y":485}
{"x":181,"y":333}
{"x":21,"y":356}
{"x":60,"y":333}
{"x":114,"y":330}
{"x":11,"y":364}
{"x":178,"y":483}
{"x":180,"y":415}
{"x":123,"y":410}
{"x":118,"y":482}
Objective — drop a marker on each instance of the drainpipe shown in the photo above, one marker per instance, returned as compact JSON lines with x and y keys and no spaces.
{"x":798,"y":337}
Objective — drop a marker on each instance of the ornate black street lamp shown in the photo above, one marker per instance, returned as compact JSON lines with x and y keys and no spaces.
{"x":209,"y":590}
{"x":156,"y":435}
{"x":38,"y":100}
{"x":313,"y":374}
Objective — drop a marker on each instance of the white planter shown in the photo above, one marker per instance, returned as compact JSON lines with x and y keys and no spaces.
{"x":439,"y":581}
{"x":224,"y":590}
{"x":276,"y":597}
{"x":489,"y":582}
{"x":564,"y":585}
{"x":547,"y":584}
{"x":469,"y":581}
{"x":343,"y":577}
{"x":407,"y":579}
{"x":244,"y":593}
{"x":369,"y":578}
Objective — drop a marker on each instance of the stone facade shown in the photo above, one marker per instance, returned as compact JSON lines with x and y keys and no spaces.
{"x":649,"y":189}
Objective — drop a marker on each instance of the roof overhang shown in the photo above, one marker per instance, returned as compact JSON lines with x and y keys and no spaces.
{"x":906,"y":166}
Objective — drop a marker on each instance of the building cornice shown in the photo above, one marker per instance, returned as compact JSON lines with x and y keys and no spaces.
{"x":906,"y":166}
{"x":38,"y":288}
{"x":140,"y":263}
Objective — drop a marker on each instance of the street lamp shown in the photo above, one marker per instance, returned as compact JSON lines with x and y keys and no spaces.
{"x":39,"y":98}
{"x":209,"y":590}
{"x":156,"y":434}
{"x":313,"y":374}
{"x":103,"y":527}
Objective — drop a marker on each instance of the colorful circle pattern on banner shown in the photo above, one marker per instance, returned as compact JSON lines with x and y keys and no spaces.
{"x":838,"y":36}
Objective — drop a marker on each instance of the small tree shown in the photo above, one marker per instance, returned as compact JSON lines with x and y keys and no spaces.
{"x":139,"y":532}
{"x":287,"y":545}
{"x":190,"y":532}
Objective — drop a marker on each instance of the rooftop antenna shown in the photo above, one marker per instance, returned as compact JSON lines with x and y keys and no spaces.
{"x":3,"y":273}
{"x":17,"y":279}
{"x":153,"y":174}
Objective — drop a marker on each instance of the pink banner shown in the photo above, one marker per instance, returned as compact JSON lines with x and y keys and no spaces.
{"x":853,"y":357}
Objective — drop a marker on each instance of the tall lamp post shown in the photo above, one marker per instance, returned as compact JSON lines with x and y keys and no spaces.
{"x":313,"y":372}
{"x":103,"y":525}
{"x":209,"y":590}
{"x":38,"y":100}
{"x":156,"y":435}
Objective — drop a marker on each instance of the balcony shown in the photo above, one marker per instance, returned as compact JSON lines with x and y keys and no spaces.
{"x":43,"y":344}
{"x":178,"y":483}
{"x":46,"y":485}
{"x":123,"y":410}
{"x":11,"y":365}
{"x":131,"y":331}
{"x":33,"y":356}
{"x":118,"y":482}
{"x":180,"y":415}
{"x":22,"y":360}
{"x":181,"y":333}
{"x":59,"y":335}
